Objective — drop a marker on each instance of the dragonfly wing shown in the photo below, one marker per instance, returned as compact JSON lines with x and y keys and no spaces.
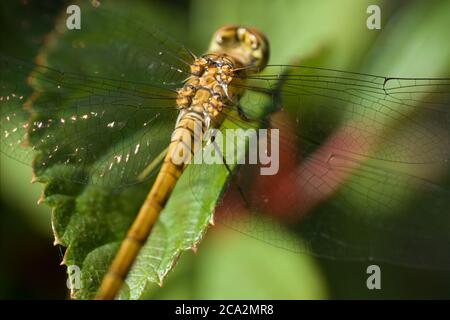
{"x":369,"y":107}
{"x":363,"y":168}
{"x":105,"y":108}
{"x":106,"y":130}
{"x":117,"y":44}
{"x":343,"y":209}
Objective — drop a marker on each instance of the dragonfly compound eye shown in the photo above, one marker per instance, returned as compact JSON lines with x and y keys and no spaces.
{"x":248,"y":47}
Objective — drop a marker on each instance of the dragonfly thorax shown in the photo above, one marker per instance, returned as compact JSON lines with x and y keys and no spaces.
{"x":214,"y":84}
{"x":208,"y":90}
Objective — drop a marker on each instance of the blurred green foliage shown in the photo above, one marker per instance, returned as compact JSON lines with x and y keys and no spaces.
{"x":229,"y":265}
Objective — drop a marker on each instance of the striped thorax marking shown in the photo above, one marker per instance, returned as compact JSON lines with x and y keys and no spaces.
{"x":201,"y":102}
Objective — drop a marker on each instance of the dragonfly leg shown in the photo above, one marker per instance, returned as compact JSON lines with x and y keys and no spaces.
{"x":231,"y":173}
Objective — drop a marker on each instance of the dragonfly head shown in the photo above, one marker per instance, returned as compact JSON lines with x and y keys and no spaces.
{"x":247,"y":46}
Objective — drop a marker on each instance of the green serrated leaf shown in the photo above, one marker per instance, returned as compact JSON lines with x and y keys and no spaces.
{"x":91,"y":216}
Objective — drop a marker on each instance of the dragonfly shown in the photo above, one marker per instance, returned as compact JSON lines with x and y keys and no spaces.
{"x":367,"y":145}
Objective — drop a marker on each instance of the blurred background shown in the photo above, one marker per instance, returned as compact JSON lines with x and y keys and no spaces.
{"x":30,"y":264}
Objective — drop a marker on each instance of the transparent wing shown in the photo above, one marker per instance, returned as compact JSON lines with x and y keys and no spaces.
{"x":118,"y":45}
{"x":343,"y":209}
{"x":106,"y":107}
{"x":363,"y":167}
{"x":323,"y":101}
{"x":86,"y":128}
